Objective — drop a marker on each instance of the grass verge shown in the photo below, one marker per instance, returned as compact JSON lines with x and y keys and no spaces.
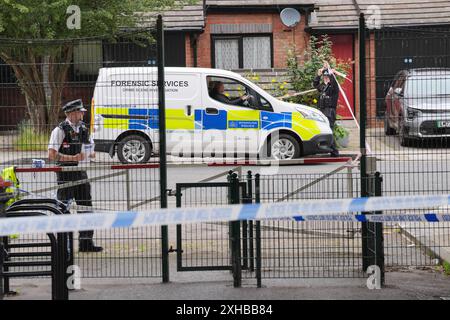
{"x":29,"y":140}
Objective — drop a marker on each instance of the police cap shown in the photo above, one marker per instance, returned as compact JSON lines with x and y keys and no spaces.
{"x":75,"y":105}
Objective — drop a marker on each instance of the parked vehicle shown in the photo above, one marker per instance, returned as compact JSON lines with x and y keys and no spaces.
{"x":418,"y":105}
{"x":125,"y":116}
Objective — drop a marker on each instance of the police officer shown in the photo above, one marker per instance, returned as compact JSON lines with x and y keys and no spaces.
{"x":65,"y":147}
{"x":328,"y":98}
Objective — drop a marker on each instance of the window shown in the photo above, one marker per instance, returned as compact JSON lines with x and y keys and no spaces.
{"x":248,"y":52}
{"x":227,"y":54}
{"x":257,"y":53}
{"x":265,"y":105}
{"x":428,"y":85}
{"x":230,"y":91}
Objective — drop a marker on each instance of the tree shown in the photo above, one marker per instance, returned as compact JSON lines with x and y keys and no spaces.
{"x":41,"y":62}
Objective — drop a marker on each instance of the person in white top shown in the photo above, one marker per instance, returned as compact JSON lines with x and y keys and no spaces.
{"x":66,"y":149}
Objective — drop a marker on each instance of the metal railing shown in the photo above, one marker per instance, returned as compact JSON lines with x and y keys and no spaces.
{"x":277,"y":248}
{"x":51,"y":257}
{"x":127,"y":252}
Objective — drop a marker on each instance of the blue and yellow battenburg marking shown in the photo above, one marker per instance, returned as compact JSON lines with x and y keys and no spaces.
{"x":177,"y":119}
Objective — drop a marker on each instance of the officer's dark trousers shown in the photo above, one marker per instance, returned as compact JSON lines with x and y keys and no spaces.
{"x":330,"y":113}
{"x":80,"y":193}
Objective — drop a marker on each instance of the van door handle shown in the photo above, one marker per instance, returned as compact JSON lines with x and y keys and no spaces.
{"x":188,"y":110}
{"x":212,"y":111}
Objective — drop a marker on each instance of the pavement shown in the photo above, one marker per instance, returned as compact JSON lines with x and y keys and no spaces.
{"x":434,"y":239}
{"x":408,"y":284}
{"x":352,"y":128}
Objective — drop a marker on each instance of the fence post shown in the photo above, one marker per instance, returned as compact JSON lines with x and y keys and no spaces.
{"x":2,"y":250}
{"x":4,"y":197}
{"x":367,"y":228}
{"x":373,"y":238}
{"x":244,"y":228}
{"x":362,"y":131}
{"x":362,"y":98}
{"x":235,"y":227}
{"x":61,"y":277}
{"x":379,"y":238}
{"x":178,"y":195}
{"x":250,"y":224}
{"x":258,"y":233}
{"x":162,"y":147}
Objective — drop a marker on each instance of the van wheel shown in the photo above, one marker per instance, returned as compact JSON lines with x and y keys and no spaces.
{"x":134,"y":149}
{"x":284,"y":147}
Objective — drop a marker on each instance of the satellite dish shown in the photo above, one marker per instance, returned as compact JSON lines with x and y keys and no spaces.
{"x":290,"y":17}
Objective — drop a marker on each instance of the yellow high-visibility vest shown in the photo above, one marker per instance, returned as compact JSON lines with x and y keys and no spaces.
{"x":9,"y":174}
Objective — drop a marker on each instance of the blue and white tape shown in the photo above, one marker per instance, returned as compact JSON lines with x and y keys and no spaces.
{"x":305,"y":210}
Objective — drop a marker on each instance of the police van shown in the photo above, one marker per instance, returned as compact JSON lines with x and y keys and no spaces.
{"x":209,"y":112}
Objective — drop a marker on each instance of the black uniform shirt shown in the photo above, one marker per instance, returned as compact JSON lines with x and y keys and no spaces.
{"x":328,"y":93}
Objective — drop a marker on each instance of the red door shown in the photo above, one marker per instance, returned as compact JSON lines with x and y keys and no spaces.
{"x":343,"y":49}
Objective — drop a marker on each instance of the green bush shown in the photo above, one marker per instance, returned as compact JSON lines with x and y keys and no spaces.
{"x":30,"y":140}
{"x":303,"y":69}
{"x":446,"y":267}
{"x":339,"y":132}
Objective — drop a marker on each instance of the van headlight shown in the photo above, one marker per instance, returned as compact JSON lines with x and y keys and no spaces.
{"x":312,"y":115}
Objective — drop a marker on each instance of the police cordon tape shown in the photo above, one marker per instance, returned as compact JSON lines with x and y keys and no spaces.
{"x":305,"y":210}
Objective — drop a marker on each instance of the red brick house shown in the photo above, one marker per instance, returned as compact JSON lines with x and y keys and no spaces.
{"x":236,"y":30}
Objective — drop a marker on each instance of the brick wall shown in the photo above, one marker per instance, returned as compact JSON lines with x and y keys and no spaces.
{"x":283,"y":37}
{"x":189,"y":51}
{"x":370,"y":82}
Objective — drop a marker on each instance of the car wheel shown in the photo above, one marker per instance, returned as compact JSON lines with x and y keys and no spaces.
{"x":388,"y":130}
{"x":134,"y":149}
{"x":404,"y":140}
{"x":284,"y":147}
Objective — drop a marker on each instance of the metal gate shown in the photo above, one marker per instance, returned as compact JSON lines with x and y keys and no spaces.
{"x":256,"y":250}
{"x":216,"y":245}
